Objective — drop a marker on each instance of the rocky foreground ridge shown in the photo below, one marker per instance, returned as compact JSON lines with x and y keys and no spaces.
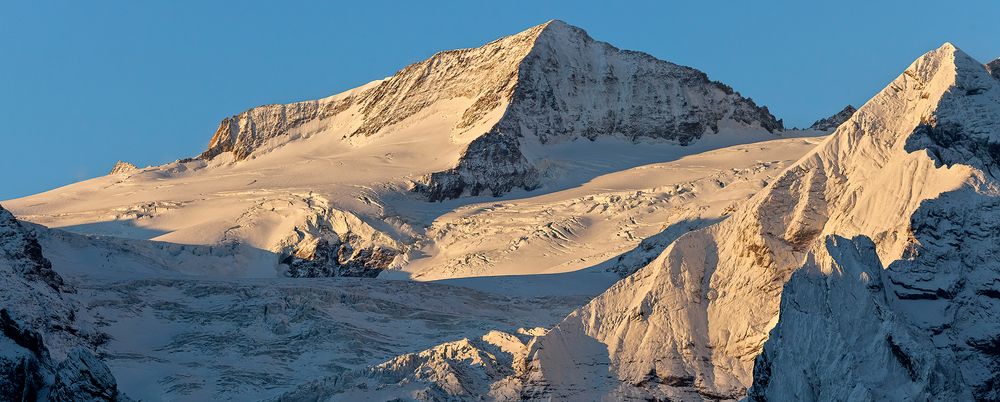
{"x":45,"y":353}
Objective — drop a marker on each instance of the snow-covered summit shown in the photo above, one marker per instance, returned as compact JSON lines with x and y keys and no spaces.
{"x":550,"y":83}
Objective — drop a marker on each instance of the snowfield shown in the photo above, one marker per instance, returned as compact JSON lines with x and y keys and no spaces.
{"x":223,"y":321}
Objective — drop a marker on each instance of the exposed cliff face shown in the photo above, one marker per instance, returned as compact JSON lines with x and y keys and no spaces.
{"x":22,"y":254}
{"x":491,"y":164}
{"x":832,"y":122}
{"x":691,"y":323}
{"x":924,"y":328}
{"x":42,"y":352}
{"x":571,"y":86}
{"x":551,"y":83}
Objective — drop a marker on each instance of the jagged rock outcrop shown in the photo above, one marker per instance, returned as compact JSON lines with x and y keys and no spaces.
{"x":21,"y":253}
{"x":914,"y":170}
{"x":492,"y":163}
{"x":314,"y":239}
{"x":335,"y":255}
{"x":551,"y":83}
{"x":332,"y":242}
{"x":42,"y":355}
{"x":994,"y":68}
{"x":82,"y":377}
{"x":122,"y":167}
{"x":832,"y":122}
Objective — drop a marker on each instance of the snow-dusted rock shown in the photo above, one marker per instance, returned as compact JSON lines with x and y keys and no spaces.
{"x":21,"y":253}
{"x":994,"y":68}
{"x":83,"y":377}
{"x":832,"y":122}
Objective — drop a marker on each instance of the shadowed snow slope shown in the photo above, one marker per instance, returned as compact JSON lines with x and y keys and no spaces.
{"x":834,"y":121}
{"x":844,"y":333}
{"x":913,"y":170}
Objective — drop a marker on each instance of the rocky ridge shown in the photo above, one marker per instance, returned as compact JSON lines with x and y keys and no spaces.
{"x":832,"y":122}
{"x":122,"y":167}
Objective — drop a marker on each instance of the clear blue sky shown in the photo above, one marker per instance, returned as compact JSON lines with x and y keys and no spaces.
{"x":83,"y":84}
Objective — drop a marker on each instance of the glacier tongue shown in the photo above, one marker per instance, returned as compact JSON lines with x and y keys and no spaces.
{"x":691,"y":323}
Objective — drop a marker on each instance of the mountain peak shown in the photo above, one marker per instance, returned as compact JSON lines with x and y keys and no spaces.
{"x":550,"y":83}
{"x":958,"y":66}
{"x":945,"y":102}
{"x":561,"y":27}
{"x":959,"y":120}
